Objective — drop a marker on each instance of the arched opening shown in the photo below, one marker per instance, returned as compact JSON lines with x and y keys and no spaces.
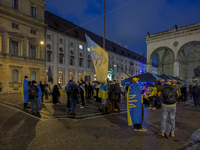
{"x":189,"y":59}
{"x":33,"y":75}
{"x":163,"y":57}
{"x":15,"y":76}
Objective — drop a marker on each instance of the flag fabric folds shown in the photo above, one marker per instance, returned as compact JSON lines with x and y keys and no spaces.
{"x":134,"y":104}
{"x":103,"y":92}
{"x":24,"y":91}
{"x":39,"y":95}
{"x":49,"y":76}
{"x":99,"y":58}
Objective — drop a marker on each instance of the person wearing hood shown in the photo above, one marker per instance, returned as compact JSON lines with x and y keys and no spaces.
{"x":134,"y":106}
{"x":24,"y":91}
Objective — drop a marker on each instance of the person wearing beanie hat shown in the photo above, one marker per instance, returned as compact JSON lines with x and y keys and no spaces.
{"x":169,"y":101}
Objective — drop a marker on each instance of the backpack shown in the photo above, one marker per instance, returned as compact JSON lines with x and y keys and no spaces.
{"x":149,"y":90}
{"x":32,"y":92}
{"x":73,"y":92}
{"x":117,"y":89}
{"x":170,"y":95}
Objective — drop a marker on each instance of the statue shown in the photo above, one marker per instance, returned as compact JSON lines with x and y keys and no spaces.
{"x":197,"y":72}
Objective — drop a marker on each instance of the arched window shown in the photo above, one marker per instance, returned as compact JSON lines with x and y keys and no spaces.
{"x":33,"y":75}
{"x":15,"y":76}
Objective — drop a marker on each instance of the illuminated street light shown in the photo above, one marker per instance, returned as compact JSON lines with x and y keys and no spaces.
{"x":115,"y":65}
{"x":41,"y":42}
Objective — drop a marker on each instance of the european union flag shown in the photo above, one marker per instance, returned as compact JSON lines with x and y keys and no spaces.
{"x":49,"y":76}
{"x":134,"y":105}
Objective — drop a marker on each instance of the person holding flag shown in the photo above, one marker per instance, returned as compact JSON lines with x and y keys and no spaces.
{"x":134,"y":105}
{"x":24,"y":91}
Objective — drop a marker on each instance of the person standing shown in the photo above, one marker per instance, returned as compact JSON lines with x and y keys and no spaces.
{"x":24,"y":91}
{"x":196,"y":93}
{"x":89,"y":90}
{"x":151,"y":92}
{"x":134,"y":106}
{"x":42,"y":90}
{"x":169,"y":99}
{"x":82,"y":88}
{"x":70,"y":82}
{"x":55,"y":94}
{"x":33,"y":93}
{"x":73,"y":92}
{"x":115,"y":92}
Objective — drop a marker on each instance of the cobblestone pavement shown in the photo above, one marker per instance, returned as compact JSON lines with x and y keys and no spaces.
{"x":55,"y":129}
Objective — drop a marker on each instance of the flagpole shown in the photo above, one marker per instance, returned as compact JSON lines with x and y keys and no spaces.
{"x":104,"y":45}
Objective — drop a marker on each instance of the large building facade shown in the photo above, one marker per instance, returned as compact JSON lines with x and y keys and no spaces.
{"x":21,"y":30}
{"x":177,"y":50}
{"x":69,"y":57}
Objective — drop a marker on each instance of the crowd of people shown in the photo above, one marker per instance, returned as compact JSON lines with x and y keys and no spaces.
{"x":165,"y":93}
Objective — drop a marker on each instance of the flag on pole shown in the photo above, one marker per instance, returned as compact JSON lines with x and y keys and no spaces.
{"x":49,"y":76}
{"x":99,"y":58}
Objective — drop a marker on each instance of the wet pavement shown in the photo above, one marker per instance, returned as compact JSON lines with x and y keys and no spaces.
{"x":54,"y":128}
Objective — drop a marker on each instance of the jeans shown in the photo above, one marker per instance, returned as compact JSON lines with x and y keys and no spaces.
{"x":165,"y":111}
{"x":160,"y":100}
{"x":34,"y":101}
{"x":151,"y":101}
{"x":73,"y":104}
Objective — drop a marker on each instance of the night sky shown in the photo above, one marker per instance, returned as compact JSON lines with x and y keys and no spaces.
{"x":129,"y":24}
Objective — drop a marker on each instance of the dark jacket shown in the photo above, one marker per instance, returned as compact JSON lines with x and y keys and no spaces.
{"x":161,"y":88}
{"x":196,"y":91}
{"x":33,"y":87}
{"x":55,"y":94}
{"x":73,"y":92}
{"x":112,"y":94}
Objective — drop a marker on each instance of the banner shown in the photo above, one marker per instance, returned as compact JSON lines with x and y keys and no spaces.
{"x":134,"y":104}
{"x":100,"y":60}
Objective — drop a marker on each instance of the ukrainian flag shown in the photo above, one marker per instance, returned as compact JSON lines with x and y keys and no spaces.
{"x":24,"y":91}
{"x":99,"y":58}
{"x":134,"y":104}
{"x":103,"y":92}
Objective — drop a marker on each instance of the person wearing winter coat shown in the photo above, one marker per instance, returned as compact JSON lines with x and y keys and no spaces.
{"x":55,"y":94}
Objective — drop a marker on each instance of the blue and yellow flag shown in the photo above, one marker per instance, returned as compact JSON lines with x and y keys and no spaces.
{"x":39,"y":95}
{"x":134,"y":106}
{"x":24,"y":91}
{"x":99,"y":58}
{"x":103,"y":92}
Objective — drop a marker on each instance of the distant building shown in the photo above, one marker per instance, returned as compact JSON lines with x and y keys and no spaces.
{"x":21,"y":30}
{"x":69,"y":57}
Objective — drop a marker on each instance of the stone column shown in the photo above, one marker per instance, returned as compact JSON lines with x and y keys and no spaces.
{"x":149,"y":67}
{"x":1,"y":48}
{"x":25,"y":47}
{"x":21,"y":48}
{"x":5,"y":43}
{"x":176,"y":68}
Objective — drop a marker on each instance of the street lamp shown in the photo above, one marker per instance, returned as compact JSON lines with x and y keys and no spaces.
{"x":115,"y":65}
{"x":41,"y":42}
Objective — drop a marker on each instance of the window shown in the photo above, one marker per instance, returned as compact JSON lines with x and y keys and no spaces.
{"x":122,"y":68}
{"x":49,"y":56}
{"x":125,"y":61}
{"x":80,"y":62}
{"x":14,"y":48}
{"x":61,"y":58}
{"x":130,"y":71}
{"x":71,"y":52}
{"x":61,"y":41}
{"x":72,"y":60}
{"x":122,"y":60}
{"x":48,"y":46}
{"x":48,"y":36}
{"x":32,"y":51}
{"x":61,"y":49}
{"x":33,"y":12}
{"x":80,"y":47}
{"x":33,"y":31}
{"x":46,"y":70}
{"x":16,"y":26}
{"x":33,"y":75}
{"x":81,"y":54}
{"x":80,"y":74}
{"x":15,"y":4}
{"x":72,"y":44}
{"x":15,"y":76}
{"x":71,"y":73}
{"x":125,"y":68}
{"x":88,"y":63}
{"x":60,"y":71}
{"x":60,"y":80}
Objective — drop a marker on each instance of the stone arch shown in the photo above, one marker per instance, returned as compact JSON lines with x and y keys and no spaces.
{"x":189,"y":58}
{"x":166,"y":58}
